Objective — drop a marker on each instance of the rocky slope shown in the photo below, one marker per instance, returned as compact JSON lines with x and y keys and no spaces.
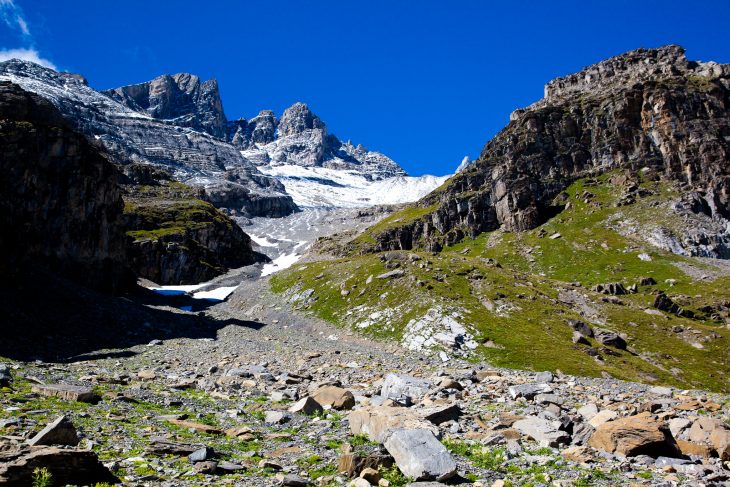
{"x":649,"y":111}
{"x":283,"y":399}
{"x":136,"y":135}
{"x":60,"y":205}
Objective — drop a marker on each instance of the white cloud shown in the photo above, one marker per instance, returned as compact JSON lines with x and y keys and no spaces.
{"x":25,"y":54}
{"x":13,"y":16}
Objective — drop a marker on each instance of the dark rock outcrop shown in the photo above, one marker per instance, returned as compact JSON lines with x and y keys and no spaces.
{"x":67,"y":466}
{"x":646,"y":109}
{"x":60,"y":206}
{"x":183,"y":240}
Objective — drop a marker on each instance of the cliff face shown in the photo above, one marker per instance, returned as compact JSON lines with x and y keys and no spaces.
{"x":181,"y":97}
{"x":648,"y":111}
{"x":178,"y":239}
{"x":60,"y":206}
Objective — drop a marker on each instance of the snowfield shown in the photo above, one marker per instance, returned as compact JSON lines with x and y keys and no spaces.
{"x":320,"y":187}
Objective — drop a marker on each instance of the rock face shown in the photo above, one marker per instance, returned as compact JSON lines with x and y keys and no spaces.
{"x":183,"y":241}
{"x":649,"y":110}
{"x":175,"y":123}
{"x":181,"y":97}
{"x":60,"y":206}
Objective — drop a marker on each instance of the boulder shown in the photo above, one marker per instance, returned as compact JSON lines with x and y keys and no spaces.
{"x":66,"y":465}
{"x":419,"y":455}
{"x":378,"y":422}
{"x":609,"y":338}
{"x":528,"y":391}
{"x":635,"y":435}
{"x":306,"y":405}
{"x":334,"y":397}
{"x":404,"y":388}
{"x":59,"y":432}
{"x":545,"y":433}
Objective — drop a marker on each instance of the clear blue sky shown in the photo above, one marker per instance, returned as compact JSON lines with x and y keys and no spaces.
{"x":425,"y":82}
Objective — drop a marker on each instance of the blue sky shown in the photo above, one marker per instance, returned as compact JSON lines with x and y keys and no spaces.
{"x":425,"y":82}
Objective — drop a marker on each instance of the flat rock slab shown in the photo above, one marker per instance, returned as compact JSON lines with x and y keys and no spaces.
{"x":404,"y":388}
{"x":66,"y":392}
{"x":440,"y":414}
{"x":378,"y":422}
{"x":544,"y":432}
{"x":59,"y":432}
{"x":203,"y":428}
{"x":419,"y":455}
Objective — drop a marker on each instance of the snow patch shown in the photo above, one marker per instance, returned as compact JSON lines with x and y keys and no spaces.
{"x":218,"y":294}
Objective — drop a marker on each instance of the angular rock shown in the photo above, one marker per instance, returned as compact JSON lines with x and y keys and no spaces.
{"x":276,"y":417}
{"x":440,"y":414}
{"x":334,"y":397}
{"x":609,"y":338}
{"x":378,"y":422}
{"x":5,"y":377}
{"x":528,"y":391}
{"x":68,"y":466}
{"x":201,"y":455}
{"x":203,"y":428}
{"x":392,"y":274}
{"x":352,"y":464}
{"x":602,"y":417}
{"x":306,"y":405}
{"x":291,"y":480}
{"x":419,"y":455}
{"x":66,"y":392}
{"x":635,"y":435}
{"x":404,"y":388}
{"x":59,"y":432}
{"x":545,"y":433}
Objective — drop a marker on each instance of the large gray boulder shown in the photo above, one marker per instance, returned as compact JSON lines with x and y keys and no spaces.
{"x":404,"y":388}
{"x":419,"y":455}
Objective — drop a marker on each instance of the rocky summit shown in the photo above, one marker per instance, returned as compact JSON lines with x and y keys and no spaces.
{"x":189,"y":300}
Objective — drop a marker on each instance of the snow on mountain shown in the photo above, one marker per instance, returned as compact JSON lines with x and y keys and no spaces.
{"x":322,"y":187}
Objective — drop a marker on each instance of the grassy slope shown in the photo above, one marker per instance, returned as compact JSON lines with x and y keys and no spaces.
{"x":534,"y":269}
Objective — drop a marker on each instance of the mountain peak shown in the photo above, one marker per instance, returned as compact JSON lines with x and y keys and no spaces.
{"x":298,"y":118}
{"x":181,"y":97}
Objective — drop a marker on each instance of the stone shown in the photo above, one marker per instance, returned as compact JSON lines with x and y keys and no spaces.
{"x":661,"y":391}
{"x":419,"y":455}
{"x":378,"y":422}
{"x":404,"y":388}
{"x":306,"y":405}
{"x":205,"y":467}
{"x":68,"y":466}
{"x":720,"y":440}
{"x":203,"y":428}
{"x":67,"y":392}
{"x":549,"y":399}
{"x":528,"y":391}
{"x":334,"y":397}
{"x":577,"y":454}
{"x":579,"y":338}
{"x":352,"y":464}
{"x":609,"y":338}
{"x":5,"y":376}
{"x":394,"y":274}
{"x":162,"y":446}
{"x":635,"y":435}
{"x":545,"y":433}
{"x":59,"y":432}
{"x":544,"y":377}
{"x":370,"y":474}
{"x":146,"y":374}
{"x":291,"y":480}
{"x":359,"y":482}
{"x":440,"y":414}
{"x":678,"y":425}
{"x":694,"y":449}
{"x":602,"y":417}
{"x":588,"y":411}
{"x":201,"y":455}
{"x":703,"y":427}
{"x":276,"y":417}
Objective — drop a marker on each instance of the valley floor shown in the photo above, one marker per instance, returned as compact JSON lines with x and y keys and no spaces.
{"x":230,"y":386}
